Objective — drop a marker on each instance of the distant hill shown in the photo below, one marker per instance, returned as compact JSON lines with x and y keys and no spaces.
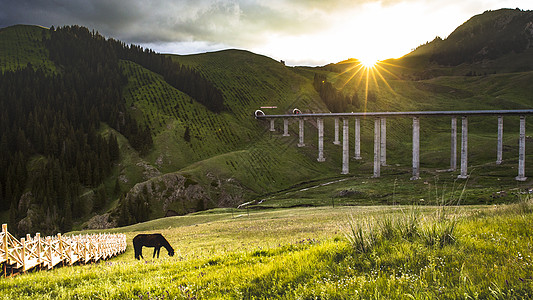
{"x":488,"y":36}
{"x":498,"y":41}
{"x":184,"y":127}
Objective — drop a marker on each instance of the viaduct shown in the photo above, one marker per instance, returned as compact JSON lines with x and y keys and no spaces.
{"x":380,"y":132}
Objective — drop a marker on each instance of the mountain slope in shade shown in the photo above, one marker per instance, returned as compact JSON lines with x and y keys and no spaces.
{"x":498,"y":41}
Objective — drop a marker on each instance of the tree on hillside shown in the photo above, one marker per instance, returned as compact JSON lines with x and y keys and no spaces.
{"x":334,"y":99}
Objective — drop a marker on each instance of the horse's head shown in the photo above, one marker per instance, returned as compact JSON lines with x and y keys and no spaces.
{"x":171,"y":251}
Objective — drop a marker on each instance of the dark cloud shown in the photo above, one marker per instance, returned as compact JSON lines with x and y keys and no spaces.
{"x":141,"y":21}
{"x":174,"y":25}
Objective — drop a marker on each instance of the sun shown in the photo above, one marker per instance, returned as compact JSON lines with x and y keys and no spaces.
{"x":368,"y":62}
{"x":368,"y":75}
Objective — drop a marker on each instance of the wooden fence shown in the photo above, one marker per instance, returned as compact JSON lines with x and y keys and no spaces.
{"x":37,"y":252}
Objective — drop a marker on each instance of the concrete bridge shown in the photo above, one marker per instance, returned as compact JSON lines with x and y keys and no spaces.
{"x":380,"y":135}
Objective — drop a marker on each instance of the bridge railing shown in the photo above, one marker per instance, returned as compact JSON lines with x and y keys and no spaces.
{"x":37,"y":252}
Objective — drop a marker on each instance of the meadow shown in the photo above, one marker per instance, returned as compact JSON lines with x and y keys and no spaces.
{"x":342,"y":252}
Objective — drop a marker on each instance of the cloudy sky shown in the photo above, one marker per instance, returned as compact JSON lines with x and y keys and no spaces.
{"x":301,"y":32}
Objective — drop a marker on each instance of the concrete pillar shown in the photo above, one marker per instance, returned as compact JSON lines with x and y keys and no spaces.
{"x":336,"y":141}
{"x":453,"y":159}
{"x":377,"y":143}
{"x":499,"y":154}
{"x":301,"y":125}
{"x":357,"y":139}
{"x":383,"y":147}
{"x":272,"y":125}
{"x":345,"y":147}
{"x":522,"y":151}
{"x":285,"y":127}
{"x":464,"y":148}
{"x":416,"y":148}
{"x":320,"y":123}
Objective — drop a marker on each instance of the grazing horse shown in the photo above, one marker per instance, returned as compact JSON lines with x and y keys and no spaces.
{"x":155,"y":240}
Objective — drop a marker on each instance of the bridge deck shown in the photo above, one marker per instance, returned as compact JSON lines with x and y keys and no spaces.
{"x":405,"y":113}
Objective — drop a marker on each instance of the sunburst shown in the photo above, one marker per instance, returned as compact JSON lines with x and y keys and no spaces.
{"x":368,"y":62}
{"x":369,"y":72}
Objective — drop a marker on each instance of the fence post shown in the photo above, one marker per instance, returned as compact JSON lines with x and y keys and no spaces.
{"x":23,"y":242}
{"x":39,"y":248}
{"x":51,"y":261}
{"x":4,"y":231}
{"x":60,"y":248}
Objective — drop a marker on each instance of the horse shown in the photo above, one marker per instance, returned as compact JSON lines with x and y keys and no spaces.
{"x":155,"y":240}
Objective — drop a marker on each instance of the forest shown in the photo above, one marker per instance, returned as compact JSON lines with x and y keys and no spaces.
{"x":51,"y":146}
{"x":334,"y":99}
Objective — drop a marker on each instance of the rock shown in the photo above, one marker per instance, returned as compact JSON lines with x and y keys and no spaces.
{"x":349,"y":193}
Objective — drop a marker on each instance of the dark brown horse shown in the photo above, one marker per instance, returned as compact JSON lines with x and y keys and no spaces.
{"x":155,"y":240}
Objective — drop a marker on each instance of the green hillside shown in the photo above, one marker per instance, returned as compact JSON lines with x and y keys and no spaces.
{"x":22,"y":44}
{"x":202,"y":159}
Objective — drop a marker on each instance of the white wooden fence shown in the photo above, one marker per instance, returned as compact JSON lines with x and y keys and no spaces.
{"x":37,"y":252}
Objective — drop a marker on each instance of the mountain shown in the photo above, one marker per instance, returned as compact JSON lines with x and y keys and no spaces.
{"x":498,"y":41}
{"x":85,"y":94}
{"x":96,"y":133}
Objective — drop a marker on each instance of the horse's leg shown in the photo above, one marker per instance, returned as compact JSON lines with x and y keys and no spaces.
{"x":155,"y":250}
{"x":138,"y":251}
{"x":158,"y":249}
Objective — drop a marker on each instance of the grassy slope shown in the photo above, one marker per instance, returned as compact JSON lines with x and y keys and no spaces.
{"x":497,"y":91}
{"x":20,"y":45}
{"x":303,"y":253}
{"x":231,"y":144}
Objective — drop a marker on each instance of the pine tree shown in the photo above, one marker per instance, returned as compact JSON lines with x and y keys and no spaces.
{"x":187,"y":135}
{"x":13,"y":222}
{"x":116,"y":189}
{"x":2,"y":203}
{"x":114,"y":152}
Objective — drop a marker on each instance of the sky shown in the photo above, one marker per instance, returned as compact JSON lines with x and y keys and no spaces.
{"x":299,"y":32}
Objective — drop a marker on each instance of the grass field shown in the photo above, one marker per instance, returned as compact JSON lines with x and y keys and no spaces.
{"x":398,"y":252}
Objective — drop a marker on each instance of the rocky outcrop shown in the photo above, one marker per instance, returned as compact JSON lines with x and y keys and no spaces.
{"x":175,"y":194}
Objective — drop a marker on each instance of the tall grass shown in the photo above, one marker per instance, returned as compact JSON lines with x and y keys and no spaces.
{"x":434,"y":230}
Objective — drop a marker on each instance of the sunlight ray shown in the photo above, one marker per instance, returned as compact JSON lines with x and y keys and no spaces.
{"x":353,"y":75}
{"x":385,"y":81}
{"x":388,"y":72}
